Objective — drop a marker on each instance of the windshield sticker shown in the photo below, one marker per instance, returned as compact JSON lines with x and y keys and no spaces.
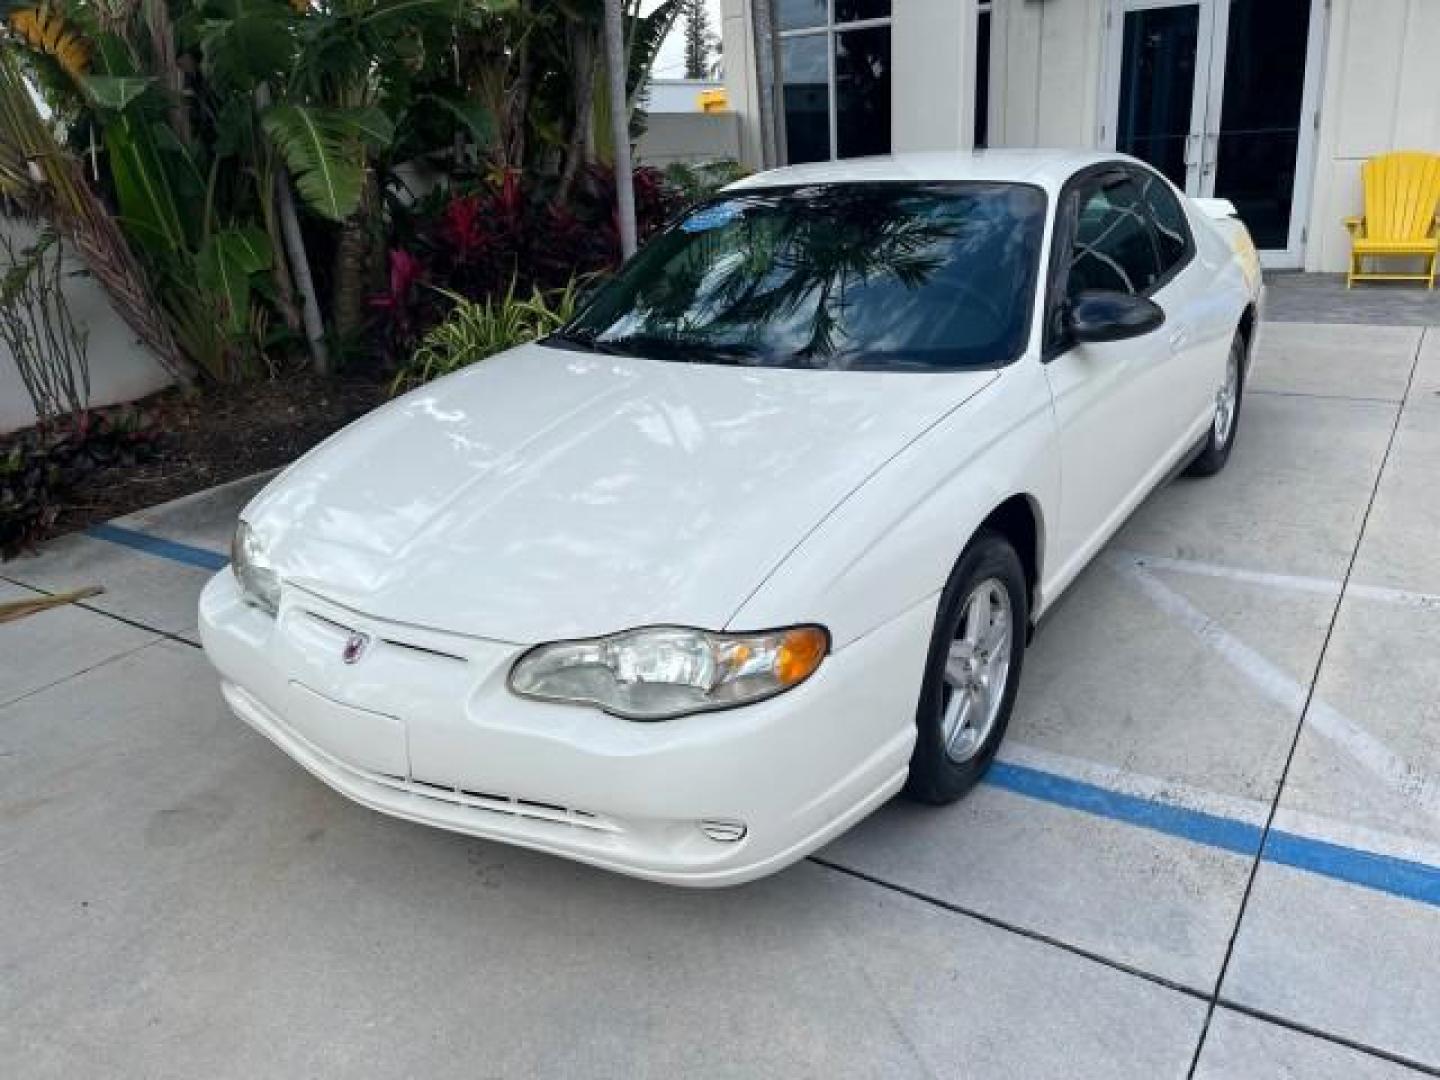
{"x":712,"y":217}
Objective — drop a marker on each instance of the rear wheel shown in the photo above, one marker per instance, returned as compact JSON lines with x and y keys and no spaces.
{"x":972,"y":672}
{"x":1221,"y":437}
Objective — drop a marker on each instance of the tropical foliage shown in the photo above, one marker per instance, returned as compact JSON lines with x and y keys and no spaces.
{"x":476,"y":330}
{"x":244,"y":176}
{"x":49,"y":349}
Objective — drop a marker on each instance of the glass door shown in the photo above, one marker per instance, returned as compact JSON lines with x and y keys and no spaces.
{"x":1160,"y":59}
{"x":1260,"y":128}
{"x":1219,"y":95}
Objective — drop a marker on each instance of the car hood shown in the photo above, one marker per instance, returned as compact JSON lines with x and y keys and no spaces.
{"x":550,"y":493}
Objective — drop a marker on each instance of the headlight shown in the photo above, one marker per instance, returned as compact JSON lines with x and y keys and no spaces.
{"x":259,"y":584}
{"x":662,"y":672}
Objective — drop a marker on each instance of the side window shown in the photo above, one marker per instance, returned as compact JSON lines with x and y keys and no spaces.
{"x":1114,"y":245}
{"x":1172,"y":231}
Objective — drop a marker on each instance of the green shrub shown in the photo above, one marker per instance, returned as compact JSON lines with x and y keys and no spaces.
{"x":475,"y":330}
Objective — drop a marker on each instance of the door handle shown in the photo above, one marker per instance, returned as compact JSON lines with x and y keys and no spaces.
{"x":1178,"y":338}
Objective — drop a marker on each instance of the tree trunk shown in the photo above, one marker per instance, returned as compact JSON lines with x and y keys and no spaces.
{"x":582,"y":75}
{"x":620,"y":126}
{"x":352,"y":259}
{"x":518,"y":112}
{"x":300,"y":266}
{"x":299,"y":259}
{"x":284,"y":283}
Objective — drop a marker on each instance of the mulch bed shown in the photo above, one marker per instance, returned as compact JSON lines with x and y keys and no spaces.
{"x":217,"y":434}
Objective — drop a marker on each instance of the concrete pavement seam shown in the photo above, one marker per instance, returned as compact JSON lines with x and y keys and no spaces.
{"x":1305,"y":710}
{"x":76,"y":674}
{"x":1325,"y":1036}
{"x":136,"y":623}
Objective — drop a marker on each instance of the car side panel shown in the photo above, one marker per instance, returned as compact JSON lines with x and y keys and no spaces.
{"x":893,"y":543}
{"x":1140,"y":419}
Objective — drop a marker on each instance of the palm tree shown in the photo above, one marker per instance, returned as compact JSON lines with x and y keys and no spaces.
{"x":616,"y":70}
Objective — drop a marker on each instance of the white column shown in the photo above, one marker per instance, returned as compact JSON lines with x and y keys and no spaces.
{"x":741,"y":86}
{"x":932,"y":59}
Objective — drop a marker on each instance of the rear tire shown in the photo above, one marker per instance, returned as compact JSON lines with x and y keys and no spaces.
{"x":1226,"y":424}
{"x":972,"y":671}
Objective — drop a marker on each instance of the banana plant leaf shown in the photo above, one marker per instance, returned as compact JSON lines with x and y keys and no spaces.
{"x":325,"y":150}
{"x":116,"y":92}
{"x":227,"y":264}
{"x":473,"y":116}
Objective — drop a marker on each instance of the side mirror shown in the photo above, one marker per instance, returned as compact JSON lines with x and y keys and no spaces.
{"x":1100,"y":315}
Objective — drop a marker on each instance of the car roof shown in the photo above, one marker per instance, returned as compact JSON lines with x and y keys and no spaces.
{"x":1048,"y":169}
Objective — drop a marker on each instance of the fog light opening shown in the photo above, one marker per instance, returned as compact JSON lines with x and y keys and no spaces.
{"x":724,"y":832}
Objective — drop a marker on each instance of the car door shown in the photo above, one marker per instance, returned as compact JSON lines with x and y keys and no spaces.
{"x":1196,"y":330}
{"x":1116,"y":419}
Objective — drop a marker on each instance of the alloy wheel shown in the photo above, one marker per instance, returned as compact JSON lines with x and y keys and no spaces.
{"x":976,"y":670}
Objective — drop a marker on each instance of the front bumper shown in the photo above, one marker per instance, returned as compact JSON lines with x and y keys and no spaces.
{"x":423,"y":727}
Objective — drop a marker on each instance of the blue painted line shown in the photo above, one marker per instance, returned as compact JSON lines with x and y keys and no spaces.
{"x":1383,"y":873}
{"x":1404,"y":878}
{"x":158,"y":546}
{"x":1193,"y":825}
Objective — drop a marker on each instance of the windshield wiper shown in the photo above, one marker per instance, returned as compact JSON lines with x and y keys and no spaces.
{"x":656,"y":347}
{"x":583,"y":339}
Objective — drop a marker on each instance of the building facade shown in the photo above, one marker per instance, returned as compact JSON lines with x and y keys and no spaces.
{"x":1273,"y":104}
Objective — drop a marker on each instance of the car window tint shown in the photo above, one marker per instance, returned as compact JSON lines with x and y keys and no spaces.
{"x":1172,"y":231}
{"x":1114,"y":245}
{"x":877,"y":276}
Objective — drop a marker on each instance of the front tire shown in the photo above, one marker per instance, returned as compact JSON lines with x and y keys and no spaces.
{"x":1223,"y":428}
{"x":972,"y":671}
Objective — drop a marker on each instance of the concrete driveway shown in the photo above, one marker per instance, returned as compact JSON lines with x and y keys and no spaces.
{"x":1211,"y":847}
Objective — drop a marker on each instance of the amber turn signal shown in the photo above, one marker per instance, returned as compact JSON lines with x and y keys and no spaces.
{"x":800,"y":653}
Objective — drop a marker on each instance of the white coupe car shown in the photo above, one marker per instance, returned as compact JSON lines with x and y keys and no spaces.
{"x":757,"y":540}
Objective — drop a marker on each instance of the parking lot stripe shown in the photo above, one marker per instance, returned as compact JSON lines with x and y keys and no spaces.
{"x":1405,"y":878}
{"x":1194,"y":567}
{"x":1383,"y":873}
{"x":1127,"y":782}
{"x":173,"y":550}
{"x":1399,"y":775}
{"x":1293,"y":582}
{"x":1197,"y":826}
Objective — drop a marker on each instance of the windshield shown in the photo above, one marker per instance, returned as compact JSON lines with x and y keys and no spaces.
{"x":875,"y":276}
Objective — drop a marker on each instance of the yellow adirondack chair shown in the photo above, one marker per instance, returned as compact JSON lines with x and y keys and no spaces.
{"x":1402,"y":216}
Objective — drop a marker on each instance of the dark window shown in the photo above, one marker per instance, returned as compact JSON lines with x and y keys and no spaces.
{"x":855,"y":10}
{"x":862,"y":92}
{"x":1157,"y":86}
{"x":1172,"y":231}
{"x":1114,"y":246}
{"x":880,"y":276}
{"x":982,"y":80}
{"x":798,"y":14}
{"x":804,"y":69}
{"x":1260,"y":118}
{"x":835,"y":71}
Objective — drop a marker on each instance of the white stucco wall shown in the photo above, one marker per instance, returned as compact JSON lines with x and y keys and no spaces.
{"x":1381,"y":92}
{"x":121,"y":369}
{"x":932,"y":55}
{"x":1045,"y":70}
{"x":741,"y":87}
{"x":691,"y":137}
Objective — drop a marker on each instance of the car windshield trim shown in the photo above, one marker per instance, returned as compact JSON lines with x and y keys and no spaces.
{"x":922,"y":276}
